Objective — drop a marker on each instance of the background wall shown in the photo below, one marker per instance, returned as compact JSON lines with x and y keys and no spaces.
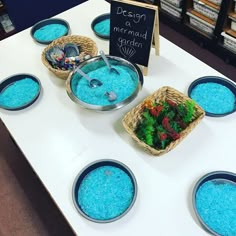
{"x":25,"y":13}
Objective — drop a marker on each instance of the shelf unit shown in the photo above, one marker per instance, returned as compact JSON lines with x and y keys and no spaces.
{"x":228,"y":33}
{"x":203,"y":21}
{"x":7,"y":28}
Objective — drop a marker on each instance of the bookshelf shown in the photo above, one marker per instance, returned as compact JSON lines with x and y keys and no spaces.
{"x":209,"y":23}
{"x":7,"y":27}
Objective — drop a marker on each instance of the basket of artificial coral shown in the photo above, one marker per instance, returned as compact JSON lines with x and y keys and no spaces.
{"x":162,"y":120}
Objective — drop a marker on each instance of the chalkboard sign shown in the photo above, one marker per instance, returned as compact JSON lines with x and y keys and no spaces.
{"x":131,"y":30}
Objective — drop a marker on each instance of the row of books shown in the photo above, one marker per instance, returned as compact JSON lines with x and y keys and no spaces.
{"x":202,"y":16}
{"x":229,"y":32}
{"x":6,"y":23}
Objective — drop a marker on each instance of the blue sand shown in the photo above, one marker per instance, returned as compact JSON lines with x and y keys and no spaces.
{"x":123,"y":85}
{"x":216,"y":205}
{"x":214,"y":98}
{"x":50,"y":32}
{"x":105,"y":193}
{"x":103,"y":27}
{"x":19,"y":93}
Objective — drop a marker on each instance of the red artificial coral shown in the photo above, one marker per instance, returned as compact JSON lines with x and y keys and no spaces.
{"x":174,"y":135}
{"x":170,"y":130}
{"x":155,"y":111}
{"x":181,"y":124}
{"x":163,"y":136}
{"x":159,"y":109}
{"x":171,"y":103}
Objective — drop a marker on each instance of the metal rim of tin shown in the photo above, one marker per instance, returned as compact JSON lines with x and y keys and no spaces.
{"x":214,"y":79}
{"x":97,"y":20}
{"x":17,"y":77}
{"x":45,"y":22}
{"x":222,"y":175}
{"x":92,"y":166}
{"x":115,"y":106}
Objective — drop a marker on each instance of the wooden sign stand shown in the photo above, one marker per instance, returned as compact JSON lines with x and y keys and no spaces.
{"x":155,"y":36}
{"x":131,"y":32}
{"x":155,"y":41}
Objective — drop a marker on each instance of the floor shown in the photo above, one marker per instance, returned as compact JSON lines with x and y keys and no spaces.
{"x":26,"y":209}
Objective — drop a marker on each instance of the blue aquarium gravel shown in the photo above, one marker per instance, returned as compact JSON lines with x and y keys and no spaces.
{"x":103,"y":27}
{"x":50,"y":32}
{"x":216,"y":205}
{"x":214,"y":97}
{"x":19,"y":93}
{"x":105,"y":193}
{"x":123,"y":85}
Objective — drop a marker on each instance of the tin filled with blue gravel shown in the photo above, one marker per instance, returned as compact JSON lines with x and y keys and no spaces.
{"x":19,"y":91}
{"x":126,"y":84}
{"x":214,"y":202}
{"x":104,"y":191}
{"x":101,"y":26}
{"x":46,"y":31}
{"x":216,"y":95}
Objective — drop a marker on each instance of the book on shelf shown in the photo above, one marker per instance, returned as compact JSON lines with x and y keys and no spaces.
{"x":6,"y":23}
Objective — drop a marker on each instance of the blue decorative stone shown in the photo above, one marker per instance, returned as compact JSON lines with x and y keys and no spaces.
{"x":216,"y":205}
{"x":123,"y":85}
{"x":105,"y":193}
{"x":103,"y":27}
{"x":50,"y":32}
{"x":19,"y":93}
{"x":214,"y":97}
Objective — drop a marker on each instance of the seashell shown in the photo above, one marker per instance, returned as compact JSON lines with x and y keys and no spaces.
{"x":127,"y":51}
{"x":54,"y":55}
{"x":50,"y":59}
{"x":57,"y":53}
{"x":71,"y":50}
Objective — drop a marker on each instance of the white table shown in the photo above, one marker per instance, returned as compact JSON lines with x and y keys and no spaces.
{"x":58,"y":138}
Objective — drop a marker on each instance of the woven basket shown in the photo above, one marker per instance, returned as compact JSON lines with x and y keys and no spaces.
{"x":86,"y":44}
{"x":133,"y":117}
